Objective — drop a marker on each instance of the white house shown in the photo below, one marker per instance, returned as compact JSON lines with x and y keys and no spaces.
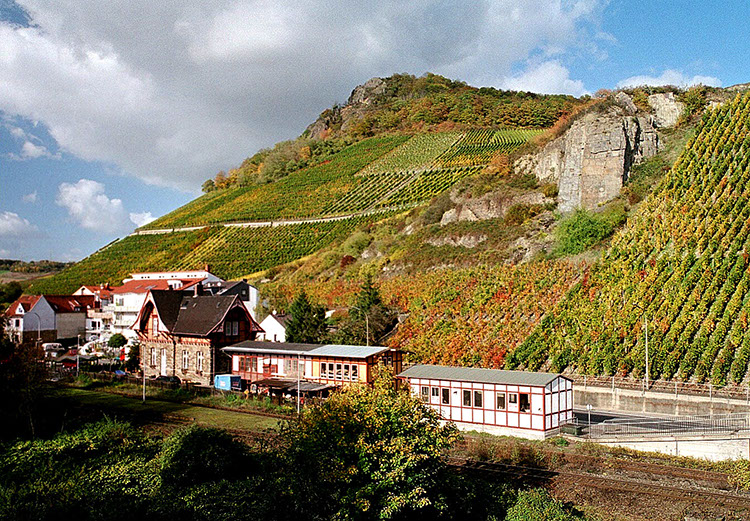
{"x":274,"y":326}
{"x":98,"y":321}
{"x":30,"y":319}
{"x":513,"y":403}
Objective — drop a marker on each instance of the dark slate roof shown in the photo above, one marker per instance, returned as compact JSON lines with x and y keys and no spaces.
{"x":478,"y":375}
{"x":254,"y":346}
{"x":332,"y":351}
{"x":167,"y":305}
{"x":200,"y":315}
{"x":282,"y":318}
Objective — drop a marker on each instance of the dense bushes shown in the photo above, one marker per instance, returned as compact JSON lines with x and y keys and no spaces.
{"x":581,"y":230}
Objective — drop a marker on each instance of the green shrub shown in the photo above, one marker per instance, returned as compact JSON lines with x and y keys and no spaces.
{"x":194,"y":455}
{"x":581,"y":230}
{"x":539,"y":505}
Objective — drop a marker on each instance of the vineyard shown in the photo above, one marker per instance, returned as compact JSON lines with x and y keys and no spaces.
{"x":231,"y":251}
{"x":479,"y":147}
{"x":679,"y":268}
{"x":390,"y":171}
{"x":469,"y":317}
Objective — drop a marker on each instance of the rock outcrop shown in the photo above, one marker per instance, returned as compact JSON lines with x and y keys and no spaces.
{"x":667,"y":110}
{"x":493,"y":205}
{"x":359,"y":100}
{"x":592,"y":159}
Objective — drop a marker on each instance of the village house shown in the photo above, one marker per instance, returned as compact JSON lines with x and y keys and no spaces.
{"x":180,"y":335}
{"x":278,"y":366}
{"x":248,"y":293}
{"x":274,"y":327}
{"x":512,"y":403}
{"x":35,"y":319}
{"x":98,"y":320}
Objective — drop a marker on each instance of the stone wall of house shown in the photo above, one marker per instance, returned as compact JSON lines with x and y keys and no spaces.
{"x":174,"y":361}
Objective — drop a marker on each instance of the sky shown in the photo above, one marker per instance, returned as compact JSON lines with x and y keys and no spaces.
{"x":113,"y":113}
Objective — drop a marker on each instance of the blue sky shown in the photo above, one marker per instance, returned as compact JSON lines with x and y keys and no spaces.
{"x":112,"y":113}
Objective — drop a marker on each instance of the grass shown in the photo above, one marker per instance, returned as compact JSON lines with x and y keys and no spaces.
{"x":131,"y":408}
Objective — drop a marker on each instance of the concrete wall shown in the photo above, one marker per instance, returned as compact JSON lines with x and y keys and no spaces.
{"x":710,"y":448}
{"x":604,"y":398}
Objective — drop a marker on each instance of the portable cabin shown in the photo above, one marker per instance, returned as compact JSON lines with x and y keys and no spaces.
{"x":513,"y":403}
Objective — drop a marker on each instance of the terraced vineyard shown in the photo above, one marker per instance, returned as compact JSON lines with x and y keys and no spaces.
{"x":231,"y":251}
{"x":479,"y":147}
{"x":427,"y":185}
{"x":682,"y":264}
{"x":419,"y":152}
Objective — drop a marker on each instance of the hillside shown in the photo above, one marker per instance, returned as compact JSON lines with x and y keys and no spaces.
{"x":343,"y":183}
{"x":680,"y":264}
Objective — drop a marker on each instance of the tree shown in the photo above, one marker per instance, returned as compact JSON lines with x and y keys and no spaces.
{"x":117,"y":341}
{"x":208,"y":186}
{"x":134,"y":357}
{"x":307,"y":321}
{"x":368,"y":453}
{"x":369,"y":316}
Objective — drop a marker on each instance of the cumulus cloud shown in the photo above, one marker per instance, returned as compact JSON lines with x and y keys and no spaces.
{"x":549,"y":77}
{"x":13,"y":225}
{"x":30,"y":198}
{"x":670,"y":77}
{"x":172,"y":92}
{"x":90,"y":207}
{"x":141,"y":219}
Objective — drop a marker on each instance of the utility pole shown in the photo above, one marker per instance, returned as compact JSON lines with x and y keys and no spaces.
{"x":298,"y":381}
{"x":647,"y":367}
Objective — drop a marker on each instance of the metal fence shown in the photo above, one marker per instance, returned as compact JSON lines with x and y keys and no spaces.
{"x":676,"y":388}
{"x":681,"y":425}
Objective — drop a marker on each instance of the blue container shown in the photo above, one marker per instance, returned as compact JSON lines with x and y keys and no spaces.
{"x":227,"y":382}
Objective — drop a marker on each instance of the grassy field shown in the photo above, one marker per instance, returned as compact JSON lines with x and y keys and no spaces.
{"x":133,"y":409}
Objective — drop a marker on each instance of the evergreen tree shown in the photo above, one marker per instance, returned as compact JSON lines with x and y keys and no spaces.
{"x":307,"y":322}
{"x":369,"y":319}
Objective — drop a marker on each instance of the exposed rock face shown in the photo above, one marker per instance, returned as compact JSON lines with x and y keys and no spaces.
{"x":464,"y":241}
{"x":361,"y":97}
{"x":667,"y":109}
{"x":490,"y":206}
{"x":592,"y":159}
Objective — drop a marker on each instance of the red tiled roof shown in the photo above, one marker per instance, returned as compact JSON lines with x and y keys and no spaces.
{"x":27,"y":301}
{"x":101,"y":292}
{"x":70,"y":303}
{"x":144,"y":286}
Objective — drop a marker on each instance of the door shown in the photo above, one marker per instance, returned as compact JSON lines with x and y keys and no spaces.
{"x":163,"y":362}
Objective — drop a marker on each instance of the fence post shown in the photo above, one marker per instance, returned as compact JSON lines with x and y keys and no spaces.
{"x":613,"y":385}
{"x":584,"y":381}
{"x":675,"y":389}
{"x":710,"y":392}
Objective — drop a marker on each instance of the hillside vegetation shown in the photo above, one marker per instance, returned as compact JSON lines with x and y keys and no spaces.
{"x":680,"y":265}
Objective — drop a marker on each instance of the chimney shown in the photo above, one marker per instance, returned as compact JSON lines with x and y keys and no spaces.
{"x":207,"y":268}
{"x":197,"y":289}
{"x":244,"y":280}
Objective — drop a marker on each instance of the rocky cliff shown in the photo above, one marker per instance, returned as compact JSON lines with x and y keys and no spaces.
{"x":343,"y":116}
{"x":592,"y":159}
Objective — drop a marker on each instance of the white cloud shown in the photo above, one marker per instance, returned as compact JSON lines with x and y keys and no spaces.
{"x":549,"y":77}
{"x":15,"y":226}
{"x":30,"y":198}
{"x":141,"y":219}
{"x":670,"y":77}
{"x":172,"y":92}
{"x":90,"y":207}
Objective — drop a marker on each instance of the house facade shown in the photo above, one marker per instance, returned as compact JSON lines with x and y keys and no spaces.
{"x":45,"y":318}
{"x":180,"y":335}
{"x":274,"y":327}
{"x":513,"y":403}
{"x":99,"y":320}
{"x":279,"y":365}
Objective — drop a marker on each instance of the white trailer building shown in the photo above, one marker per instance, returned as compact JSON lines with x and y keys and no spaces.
{"x":512,"y":403}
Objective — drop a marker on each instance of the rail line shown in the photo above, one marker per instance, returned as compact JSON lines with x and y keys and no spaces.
{"x":536,"y":475}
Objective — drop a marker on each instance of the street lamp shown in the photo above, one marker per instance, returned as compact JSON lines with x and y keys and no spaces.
{"x":78,"y":357}
{"x":367,"y":324}
{"x":645,"y":317}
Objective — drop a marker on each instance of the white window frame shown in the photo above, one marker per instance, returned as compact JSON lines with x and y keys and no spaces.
{"x":185,"y":360}
{"x":199,"y":362}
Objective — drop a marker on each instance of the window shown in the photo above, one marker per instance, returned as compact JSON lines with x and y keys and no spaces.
{"x":199,"y":361}
{"x":153,"y":357}
{"x":295,"y":366}
{"x":346,"y":371}
{"x":185,"y":360}
{"x":467,"y":398}
{"x":354,"y":376}
{"x":425,"y":395}
{"x":478,"y":398}
{"x":512,"y":398}
{"x":446,"y":398}
{"x":253,"y":364}
{"x":155,"y":324}
{"x":524,"y":403}
{"x":242,"y":363}
{"x":435,"y":392}
{"x":338,"y":371}
{"x":232,"y":328}
{"x":323,"y":369}
{"x":287,"y":366}
{"x":501,"y":401}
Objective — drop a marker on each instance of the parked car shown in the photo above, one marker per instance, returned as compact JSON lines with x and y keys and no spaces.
{"x":168,"y":379}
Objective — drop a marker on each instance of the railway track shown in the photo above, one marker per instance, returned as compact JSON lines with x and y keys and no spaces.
{"x":539,"y":476}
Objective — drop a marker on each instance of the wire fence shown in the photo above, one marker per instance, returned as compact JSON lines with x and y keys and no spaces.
{"x":683,"y":425}
{"x":677,"y":388}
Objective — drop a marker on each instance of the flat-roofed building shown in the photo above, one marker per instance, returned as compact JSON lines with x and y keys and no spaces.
{"x":513,"y":403}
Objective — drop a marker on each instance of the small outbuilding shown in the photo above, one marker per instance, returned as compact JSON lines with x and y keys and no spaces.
{"x":513,"y":403}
